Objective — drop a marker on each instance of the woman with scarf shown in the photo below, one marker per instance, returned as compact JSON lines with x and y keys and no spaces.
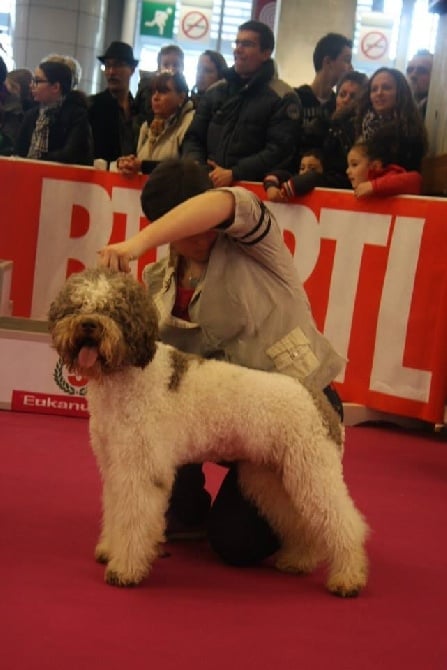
{"x":58,"y":128}
{"x":163,"y":136}
{"x":388,"y":103}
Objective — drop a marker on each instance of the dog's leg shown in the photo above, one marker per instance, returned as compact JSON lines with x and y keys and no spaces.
{"x":99,"y":442}
{"x":316,"y":487}
{"x":103,"y":547}
{"x":140,"y":500}
{"x":299,"y":552}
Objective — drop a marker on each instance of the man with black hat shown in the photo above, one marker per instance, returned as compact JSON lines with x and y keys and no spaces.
{"x":112,"y":112}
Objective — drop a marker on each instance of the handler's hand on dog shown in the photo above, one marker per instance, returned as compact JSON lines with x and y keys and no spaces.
{"x":116,"y":257}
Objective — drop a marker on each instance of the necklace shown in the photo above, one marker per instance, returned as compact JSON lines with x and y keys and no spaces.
{"x":191,"y":277}
{"x":193,"y":282}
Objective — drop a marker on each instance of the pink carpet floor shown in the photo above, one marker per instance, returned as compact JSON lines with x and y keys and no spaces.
{"x":192,"y":612}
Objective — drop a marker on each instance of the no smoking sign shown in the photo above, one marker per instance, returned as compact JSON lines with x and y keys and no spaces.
{"x":374,"y":45}
{"x":195,"y":25}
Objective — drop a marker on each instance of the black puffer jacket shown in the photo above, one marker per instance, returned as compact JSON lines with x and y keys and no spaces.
{"x":251,"y":127}
{"x":70,"y":136}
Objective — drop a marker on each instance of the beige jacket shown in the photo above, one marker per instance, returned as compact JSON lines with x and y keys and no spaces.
{"x":250,"y":307}
{"x":168,"y":143}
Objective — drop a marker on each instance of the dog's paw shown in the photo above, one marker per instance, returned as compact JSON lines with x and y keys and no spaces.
{"x":102,"y":555}
{"x":114,"y":578}
{"x":349,"y":580}
{"x":344,"y":590}
{"x":348,"y":585}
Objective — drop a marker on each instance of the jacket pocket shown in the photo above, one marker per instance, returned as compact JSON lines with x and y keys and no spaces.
{"x":292,"y":355}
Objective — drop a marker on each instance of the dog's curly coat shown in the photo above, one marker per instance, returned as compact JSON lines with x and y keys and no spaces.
{"x":153,"y":408}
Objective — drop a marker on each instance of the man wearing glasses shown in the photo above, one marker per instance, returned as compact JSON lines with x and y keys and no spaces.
{"x":112,"y":113}
{"x":248,"y":123}
{"x":418,"y":75}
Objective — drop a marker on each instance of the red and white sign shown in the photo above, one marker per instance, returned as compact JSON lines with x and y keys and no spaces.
{"x":375,"y":271}
{"x":374,"y":45}
{"x":195,"y":24}
{"x":265,"y":11}
{"x":374,"y":41}
{"x":34,"y":380}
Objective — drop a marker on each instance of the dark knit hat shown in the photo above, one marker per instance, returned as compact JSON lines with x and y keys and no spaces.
{"x":119,"y":51}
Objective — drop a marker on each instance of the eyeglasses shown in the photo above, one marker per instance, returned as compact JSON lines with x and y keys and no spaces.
{"x":245,"y":44}
{"x":420,"y":69}
{"x":115,"y":64}
{"x":36,"y":81}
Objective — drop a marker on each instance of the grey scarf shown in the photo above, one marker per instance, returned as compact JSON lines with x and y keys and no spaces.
{"x":39,"y":139}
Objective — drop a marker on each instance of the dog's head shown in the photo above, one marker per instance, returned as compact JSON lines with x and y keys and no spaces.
{"x":102,"y":321}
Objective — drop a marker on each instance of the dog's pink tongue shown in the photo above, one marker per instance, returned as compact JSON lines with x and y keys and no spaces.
{"x":87,"y":357}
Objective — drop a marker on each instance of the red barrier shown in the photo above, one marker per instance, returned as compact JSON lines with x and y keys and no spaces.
{"x":375,"y":271}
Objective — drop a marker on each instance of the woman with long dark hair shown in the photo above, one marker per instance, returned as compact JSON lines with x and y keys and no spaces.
{"x":388,"y":102}
{"x":210,"y":68}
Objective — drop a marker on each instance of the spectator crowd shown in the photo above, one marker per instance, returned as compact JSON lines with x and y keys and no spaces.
{"x":242,"y":122}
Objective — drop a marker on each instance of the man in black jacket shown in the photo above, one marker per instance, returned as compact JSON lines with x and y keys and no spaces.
{"x":112,"y":113}
{"x":249,"y":123}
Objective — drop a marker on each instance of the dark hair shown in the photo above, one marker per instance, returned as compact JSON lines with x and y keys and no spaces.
{"x":73,"y":64}
{"x":3,"y":70}
{"x":160,"y":82}
{"x":330,"y":45}
{"x":266,"y":36}
{"x":317,"y":153}
{"x":356,"y":77}
{"x":171,"y":183}
{"x":406,"y":112}
{"x":170,"y":49}
{"x":383,"y":146}
{"x":58,"y":73}
{"x":218,"y":60}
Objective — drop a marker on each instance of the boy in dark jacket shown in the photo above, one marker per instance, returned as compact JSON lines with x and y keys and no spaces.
{"x":282,"y":186}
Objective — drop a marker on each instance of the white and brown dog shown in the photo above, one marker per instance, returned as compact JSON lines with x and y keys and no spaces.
{"x":154,"y":408}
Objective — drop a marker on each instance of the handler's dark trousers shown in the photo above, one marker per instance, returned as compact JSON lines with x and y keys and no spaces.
{"x":237,"y":532}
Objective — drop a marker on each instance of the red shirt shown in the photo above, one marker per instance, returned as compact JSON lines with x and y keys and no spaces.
{"x":182,"y":299}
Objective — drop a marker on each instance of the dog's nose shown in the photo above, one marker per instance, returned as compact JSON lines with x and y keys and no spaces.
{"x":88,"y":325}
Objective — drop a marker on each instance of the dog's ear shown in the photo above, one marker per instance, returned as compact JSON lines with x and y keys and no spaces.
{"x":58,"y":308}
{"x":149,"y":334}
{"x":144,"y":327}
